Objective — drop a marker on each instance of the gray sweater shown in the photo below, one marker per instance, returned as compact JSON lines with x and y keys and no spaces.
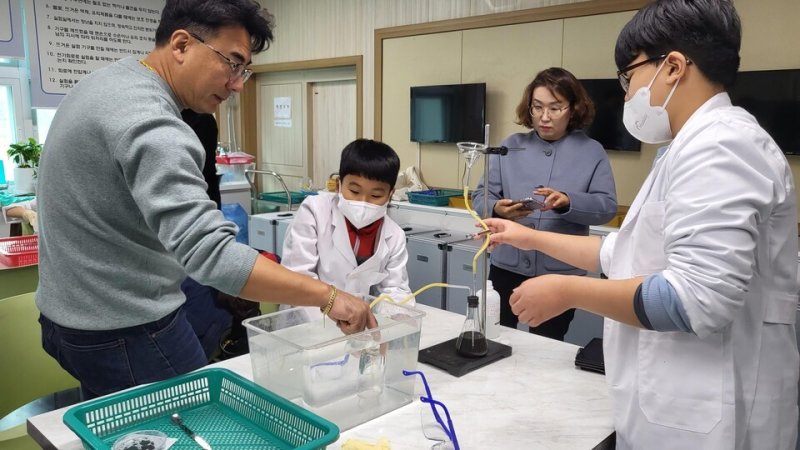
{"x":123,"y":210}
{"x":575,"y":165}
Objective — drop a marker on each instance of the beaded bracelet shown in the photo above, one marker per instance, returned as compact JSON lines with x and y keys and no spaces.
{"x":327,"y":308}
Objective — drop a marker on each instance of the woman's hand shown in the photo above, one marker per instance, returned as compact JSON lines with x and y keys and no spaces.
{"x":553,"y":199}
{"x":507,"y":209}
{"x":507,"y":232}
{"x":539,"y":299}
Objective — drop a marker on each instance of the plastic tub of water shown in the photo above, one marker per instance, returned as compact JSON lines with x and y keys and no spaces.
{"x":345,"y":379}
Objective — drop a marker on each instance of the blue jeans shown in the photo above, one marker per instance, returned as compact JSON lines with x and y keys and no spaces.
{"x":111,"y":360}
{"x":209,"y":319}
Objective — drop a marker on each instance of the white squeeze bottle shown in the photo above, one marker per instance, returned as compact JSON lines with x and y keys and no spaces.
{"x":492,"y":311}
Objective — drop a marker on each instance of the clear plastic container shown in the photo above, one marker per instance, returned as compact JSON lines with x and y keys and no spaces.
{"x":232,"y":166}
{"x":345,"y":379}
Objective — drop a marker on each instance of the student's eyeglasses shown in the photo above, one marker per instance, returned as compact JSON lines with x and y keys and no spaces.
{"x":238,"y":70}
{"x":622,"y":75}
{"x":553,"y":111}
{"x":433,"y":424}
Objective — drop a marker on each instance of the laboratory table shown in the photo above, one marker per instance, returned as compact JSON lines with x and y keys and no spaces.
{"x":535,"y":399}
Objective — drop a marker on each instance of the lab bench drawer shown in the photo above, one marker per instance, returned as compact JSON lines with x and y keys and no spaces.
{"x":268,"y":231}
{"x":426,"y":265}
{"x":459,"y":272}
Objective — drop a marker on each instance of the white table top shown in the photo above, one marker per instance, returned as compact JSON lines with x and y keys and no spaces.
{"x":535,"y":399}
{"x":5,"y":267}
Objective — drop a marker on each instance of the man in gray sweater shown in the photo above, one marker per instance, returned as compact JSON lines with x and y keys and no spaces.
{"x":124,"y":212}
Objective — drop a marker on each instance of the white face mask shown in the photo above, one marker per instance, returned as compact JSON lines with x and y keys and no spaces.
{"x":645,"y":122}
{"x":360,"y":214}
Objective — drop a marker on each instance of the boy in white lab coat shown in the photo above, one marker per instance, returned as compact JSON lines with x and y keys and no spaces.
{"x":346,"y":238}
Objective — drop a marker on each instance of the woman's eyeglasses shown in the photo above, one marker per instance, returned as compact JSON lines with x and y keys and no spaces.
{"x":553,"y":111}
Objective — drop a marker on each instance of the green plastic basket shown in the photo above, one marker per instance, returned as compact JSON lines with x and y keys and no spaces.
{"x":433,"y":197}
{"x":280,"y":197}
{"x":228,"y":411}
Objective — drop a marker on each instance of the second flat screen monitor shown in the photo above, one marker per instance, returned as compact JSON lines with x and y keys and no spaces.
{"x":448,"y":113}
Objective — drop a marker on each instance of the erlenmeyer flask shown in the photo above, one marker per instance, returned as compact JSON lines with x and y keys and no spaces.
{"x":472,"y":342}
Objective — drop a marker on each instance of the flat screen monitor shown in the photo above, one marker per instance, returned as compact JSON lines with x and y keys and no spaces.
{"x":448,"y":113}
{"x":773,"y":97}
{"x":607,"y":127}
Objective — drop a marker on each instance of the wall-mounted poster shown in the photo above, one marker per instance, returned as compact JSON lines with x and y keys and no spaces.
{"x":11,"y":35}
{"x":71,"y":38}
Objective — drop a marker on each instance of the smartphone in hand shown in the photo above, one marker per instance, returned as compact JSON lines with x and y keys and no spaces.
{"x":530,"y":203}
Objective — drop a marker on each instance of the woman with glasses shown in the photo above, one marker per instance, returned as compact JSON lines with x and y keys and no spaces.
{"x":558,"y":165}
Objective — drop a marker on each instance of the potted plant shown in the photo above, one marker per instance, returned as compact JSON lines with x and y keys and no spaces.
{"x":26,"y":156}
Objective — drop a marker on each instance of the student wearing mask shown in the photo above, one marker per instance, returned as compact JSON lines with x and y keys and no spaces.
{"x":560,"y":166}
{"x":346,"y":238}
{"x":699,"y":342}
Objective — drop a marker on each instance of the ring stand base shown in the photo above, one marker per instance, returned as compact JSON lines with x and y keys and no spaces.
{"x":445,"y":356}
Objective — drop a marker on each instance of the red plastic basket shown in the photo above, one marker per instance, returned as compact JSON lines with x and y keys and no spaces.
{"x":19,"y":251}
{"x":235,"y":158}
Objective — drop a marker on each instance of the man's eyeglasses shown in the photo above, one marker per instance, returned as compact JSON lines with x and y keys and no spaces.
{"x":433,"y":425}
{"x":237,"y":69}
{"x":553,"y":111}
{"x":625,"y":80}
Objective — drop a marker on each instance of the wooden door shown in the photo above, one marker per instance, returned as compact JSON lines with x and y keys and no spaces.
{"x":282,"y":143}
{"x":333,"y":123}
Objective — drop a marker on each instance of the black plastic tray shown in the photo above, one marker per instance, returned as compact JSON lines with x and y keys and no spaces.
{"x":591,"y":357}
{"x":444,"y":356}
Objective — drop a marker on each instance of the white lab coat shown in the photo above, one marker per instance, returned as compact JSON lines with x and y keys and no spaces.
{"x":317,"y":244}
{"x":717,"y":216}
{"x":31,"y":204}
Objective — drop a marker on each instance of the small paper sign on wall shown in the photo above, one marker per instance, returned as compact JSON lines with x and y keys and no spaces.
{"x":282,"y":112}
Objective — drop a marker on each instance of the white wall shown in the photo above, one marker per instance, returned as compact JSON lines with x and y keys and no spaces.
{"x":312,"y":29}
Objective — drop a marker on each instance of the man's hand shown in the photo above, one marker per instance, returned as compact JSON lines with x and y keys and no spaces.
{"x":351,"y":313}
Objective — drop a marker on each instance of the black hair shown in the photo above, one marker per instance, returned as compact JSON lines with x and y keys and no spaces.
{"x":206,"y":17}
{"x":707,"y":32}
{"x":370,"y":159}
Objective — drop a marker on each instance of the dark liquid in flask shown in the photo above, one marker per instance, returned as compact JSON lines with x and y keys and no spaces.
{"x":472,"y":344}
